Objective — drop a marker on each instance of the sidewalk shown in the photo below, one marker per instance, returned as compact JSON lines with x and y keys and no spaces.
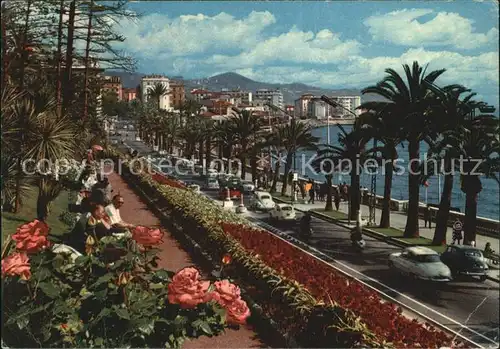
{"x":172,"y":257}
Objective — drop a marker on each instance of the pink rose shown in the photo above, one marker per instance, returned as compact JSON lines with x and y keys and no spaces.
{"x":187,"y":288}
{"x":146,"y":236}
{"x":17,"y":264}
{"x":32,"y":237}
{"x":228,"y":292}
{"x":237,"y":312}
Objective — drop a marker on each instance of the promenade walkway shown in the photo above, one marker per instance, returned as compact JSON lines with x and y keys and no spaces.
{"x":172,"y":257}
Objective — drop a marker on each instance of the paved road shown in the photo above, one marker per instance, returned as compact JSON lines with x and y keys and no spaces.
{"x":468,"y":307}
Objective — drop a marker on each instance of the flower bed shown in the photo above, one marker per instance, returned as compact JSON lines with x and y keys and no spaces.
{"x":109,"y":297}
{"x":293,"y":307}
{"x":326,"y":283}
{"x":164,"y":180}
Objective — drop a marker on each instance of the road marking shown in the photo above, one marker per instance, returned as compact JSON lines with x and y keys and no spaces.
{"x":387,"y":288}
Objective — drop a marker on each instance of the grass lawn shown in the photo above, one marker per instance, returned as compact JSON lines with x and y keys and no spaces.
{"x":398,"y":234}
{"x":11,"y":221}
{"x":334,"y":214}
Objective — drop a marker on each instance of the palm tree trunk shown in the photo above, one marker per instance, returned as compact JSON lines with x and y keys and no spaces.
{"x":68,"y":88}
{"x":253,"y":165}
{"x":276,"y":176}
{"x":444,"y":212}
{"x":87,"y":62}
{"x":411,"y":229}
{"x":354,"y":199}
{"x":5,"y":61}
{"x":208,"y":151}
{"x":329,"y":204}
{"x":200,"y":150}
{"x":21,"y":120}
{"x":472,"y":187}
{"x":385,"y":219}
{"x":288,"y":166}
{"x":59,"y":57}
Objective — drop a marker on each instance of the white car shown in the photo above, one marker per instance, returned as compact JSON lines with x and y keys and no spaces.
{"x":213,"y":184}
{"x":284,"y":212}
{"x":195,"y":188}
{"x":420,"y":263}
{"x":248,"y":186}
{"x":262,"y":200}
{"x":212,"y":173}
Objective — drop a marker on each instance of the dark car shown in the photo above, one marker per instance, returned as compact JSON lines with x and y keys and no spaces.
{"x":465,"y":260}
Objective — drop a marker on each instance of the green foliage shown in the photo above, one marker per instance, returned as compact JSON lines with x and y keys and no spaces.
{"x":108,"y":298}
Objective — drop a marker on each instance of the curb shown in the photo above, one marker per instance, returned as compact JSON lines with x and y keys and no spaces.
{"x":387,"y":239}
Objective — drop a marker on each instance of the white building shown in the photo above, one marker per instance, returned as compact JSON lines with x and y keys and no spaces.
{"x":301,"y":106}
{"x":274,"y":97}
{"x":318,"y":109}
{"x":245,"y":96}
{"x":348,"y":102}
{"x":148,"y":82}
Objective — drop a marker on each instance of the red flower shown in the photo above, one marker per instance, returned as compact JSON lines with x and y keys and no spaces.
{"x":32,"y":237}
{"x":187,"y":288}
{"x":226,"y":259}
{"x":146,"y":236}
{"x":16,"y":264}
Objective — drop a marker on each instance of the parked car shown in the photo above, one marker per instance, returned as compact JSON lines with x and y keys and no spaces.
{"x":234,"y":193}
{"x":195,"y":188}
{"x":262,"y":200}
{"x":420,"y":263}
{"x":248,"y":186}
{"x":283,"y":212}
{"x":212,"y":173}
{"x":212,"y":184}
{"x":465,"y":260}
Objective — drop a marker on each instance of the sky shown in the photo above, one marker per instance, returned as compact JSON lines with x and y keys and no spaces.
{"x":334,"y":44}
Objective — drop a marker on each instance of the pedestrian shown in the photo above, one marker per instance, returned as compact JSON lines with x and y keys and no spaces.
{"x":336,"y":198}
{"x":317,"y":191}
{"x":427,"y":217}
{"x":457,"y":232}
{"x":311,"y":193}
{"x":344,"y":192}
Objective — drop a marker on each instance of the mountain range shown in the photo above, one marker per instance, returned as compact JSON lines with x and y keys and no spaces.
{"x":236,"y":81}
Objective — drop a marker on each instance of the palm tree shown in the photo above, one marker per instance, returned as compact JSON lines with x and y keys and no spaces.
{"x":157,"y":92}
{"x":245,"y":126}
{"x":351,"y":147}
{"x":451,"y":112}
{"x":297,"y":135}
{"x":225,"y":137}
{"x":277,"y":140}
{"x":478,"y":143}
{"x":386,"y":128}
{"x":410,"y":100}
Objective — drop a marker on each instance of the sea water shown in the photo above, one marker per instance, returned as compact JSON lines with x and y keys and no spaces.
{"x":488,"y":199}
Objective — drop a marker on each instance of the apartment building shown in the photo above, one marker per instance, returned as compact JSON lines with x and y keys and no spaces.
{"x":274,"y":97}
{"x":347,"y":102}
{"x":245,"y":96}
{"x":129,"y":94}
{"x":147,"y":84}
{"x":112,"y":84}
{"x":301,"y":106}
{"x":177,"y":93}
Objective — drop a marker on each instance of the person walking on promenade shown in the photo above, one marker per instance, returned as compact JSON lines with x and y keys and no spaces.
{"x":312,"y":194}
{"x":336,"y":198}
{"x":457,"y":232}
{"x":427,"y":217}
{"x":317,"y":191}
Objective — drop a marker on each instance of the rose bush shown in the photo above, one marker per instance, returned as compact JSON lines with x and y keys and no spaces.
{"x":146,"y":236}
{"x":54,"y":300}
{"x":32,"y":237}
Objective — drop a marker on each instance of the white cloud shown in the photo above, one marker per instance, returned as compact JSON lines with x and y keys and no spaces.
{"x":297,"y":46}
{"x":444,"y":29}
{"x":156,"y":34}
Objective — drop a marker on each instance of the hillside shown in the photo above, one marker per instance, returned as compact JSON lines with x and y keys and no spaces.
{"x":233,"y":81}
